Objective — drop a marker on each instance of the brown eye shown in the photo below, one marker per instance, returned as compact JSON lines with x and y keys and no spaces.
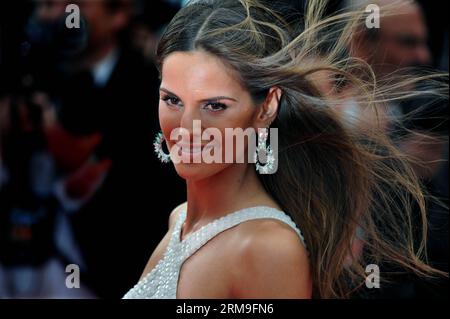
{"x":171,"y":100}
{"x":215,"y":107}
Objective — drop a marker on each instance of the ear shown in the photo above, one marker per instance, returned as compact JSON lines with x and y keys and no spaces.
{"x":269,"y":109}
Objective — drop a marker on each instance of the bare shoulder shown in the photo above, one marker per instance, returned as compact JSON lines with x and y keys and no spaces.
{"x":274,"y":261}
{"x":175,"y":213}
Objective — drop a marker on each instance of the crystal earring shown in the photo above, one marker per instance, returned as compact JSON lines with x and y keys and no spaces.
{"x":267,"y":166}
{"x":157,"y":144}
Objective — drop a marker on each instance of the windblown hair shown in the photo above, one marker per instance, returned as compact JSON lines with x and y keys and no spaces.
{"x":333,"y":179}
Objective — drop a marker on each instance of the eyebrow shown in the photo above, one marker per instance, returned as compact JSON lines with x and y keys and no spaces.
{"x":216,"y":98}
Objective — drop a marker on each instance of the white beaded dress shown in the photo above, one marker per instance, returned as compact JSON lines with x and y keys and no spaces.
{"x":162,"y":281}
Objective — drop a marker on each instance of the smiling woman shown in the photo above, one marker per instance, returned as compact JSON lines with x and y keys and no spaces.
{"x":236,"y":64}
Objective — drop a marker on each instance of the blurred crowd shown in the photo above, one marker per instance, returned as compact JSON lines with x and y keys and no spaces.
{"x":79,"y":183}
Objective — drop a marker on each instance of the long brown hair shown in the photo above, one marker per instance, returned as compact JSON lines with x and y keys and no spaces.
{"x":332,"y":179}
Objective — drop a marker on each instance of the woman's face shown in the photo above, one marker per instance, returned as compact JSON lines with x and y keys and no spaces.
{"x":198,"y":86}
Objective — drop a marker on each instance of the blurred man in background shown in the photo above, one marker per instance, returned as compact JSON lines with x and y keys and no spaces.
{"x":419,"y":125}
{"x":401,"y":40}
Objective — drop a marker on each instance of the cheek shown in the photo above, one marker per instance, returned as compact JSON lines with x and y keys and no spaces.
{"x":395,"y":53}
{"x":241,"y":116}
{"x":168,"y":119}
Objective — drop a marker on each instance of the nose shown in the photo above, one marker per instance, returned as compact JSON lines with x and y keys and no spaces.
{"x":423,"y":54}
{"x":190,"y":122}
{"x":187,"y":118}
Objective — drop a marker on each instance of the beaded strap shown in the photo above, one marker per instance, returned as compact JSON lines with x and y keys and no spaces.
{"x":196,"y":240}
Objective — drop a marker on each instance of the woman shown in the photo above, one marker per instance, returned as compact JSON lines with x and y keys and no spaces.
{"x":237,"y":64}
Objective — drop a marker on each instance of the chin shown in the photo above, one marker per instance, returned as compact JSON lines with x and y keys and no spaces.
{"x":198,"y":171}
